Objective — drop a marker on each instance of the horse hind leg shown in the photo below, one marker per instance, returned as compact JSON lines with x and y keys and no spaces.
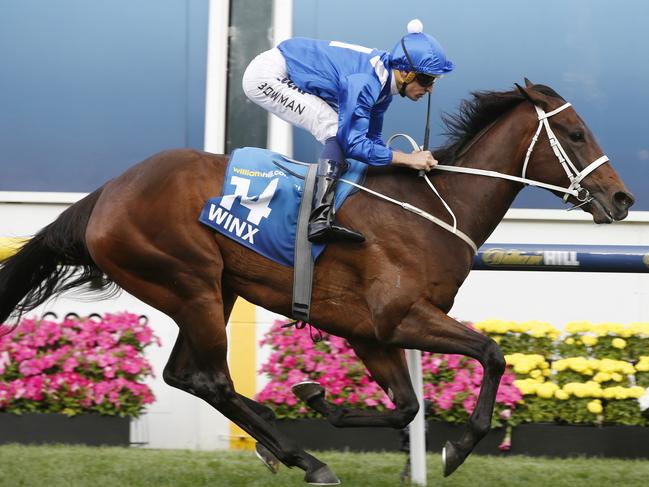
{"x":387,"y":366}
{"x":198,"y":365}
{"x":263,"y":453}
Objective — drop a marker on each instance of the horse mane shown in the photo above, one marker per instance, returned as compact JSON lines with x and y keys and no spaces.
{"x":475,"y":115}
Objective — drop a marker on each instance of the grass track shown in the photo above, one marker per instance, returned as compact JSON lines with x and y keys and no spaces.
{"x":64,"y":466}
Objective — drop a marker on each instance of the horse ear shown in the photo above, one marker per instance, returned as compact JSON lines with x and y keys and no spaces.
{"x":528,"y":83}
{"x":524,"y":92}
{"x":533,"y":96}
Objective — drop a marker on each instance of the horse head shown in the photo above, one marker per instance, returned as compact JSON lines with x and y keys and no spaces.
{"x":564,"y":152}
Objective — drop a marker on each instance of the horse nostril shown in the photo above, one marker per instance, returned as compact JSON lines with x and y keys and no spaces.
{"x":623,"y":199}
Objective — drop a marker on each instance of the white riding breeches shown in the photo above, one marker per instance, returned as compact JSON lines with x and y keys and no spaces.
{"x":267,"y":83}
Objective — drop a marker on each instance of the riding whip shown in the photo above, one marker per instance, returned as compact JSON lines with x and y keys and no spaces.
{"x":422,"y":173}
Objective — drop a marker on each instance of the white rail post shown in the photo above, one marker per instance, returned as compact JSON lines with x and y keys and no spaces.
{"x":280,"y":133}
{"x":216,"y":83}
{"x":418,"y":425}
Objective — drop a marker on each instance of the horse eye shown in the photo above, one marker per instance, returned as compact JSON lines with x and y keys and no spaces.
{"x":577,"y":136}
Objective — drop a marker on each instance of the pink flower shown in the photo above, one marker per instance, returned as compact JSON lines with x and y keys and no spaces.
{"x":289,"y":361}
{"x":452,"y":382}
{"x":67,"y":359}
{"x":469,"y":403}
{"x":445,"y":400}
{"x":5,"y":360}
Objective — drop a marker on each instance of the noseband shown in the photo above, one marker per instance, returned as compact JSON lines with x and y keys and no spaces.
{"x":574,"y":175}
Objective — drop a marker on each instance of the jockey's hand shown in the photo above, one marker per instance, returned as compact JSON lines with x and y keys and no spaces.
{"x":420,"y":160}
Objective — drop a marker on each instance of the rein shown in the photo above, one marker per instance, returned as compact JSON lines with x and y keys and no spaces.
{"x":419,"y":212}
{"x":574,"y":175}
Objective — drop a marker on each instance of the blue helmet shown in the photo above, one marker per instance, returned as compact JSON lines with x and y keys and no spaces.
{"x":420,"y":53}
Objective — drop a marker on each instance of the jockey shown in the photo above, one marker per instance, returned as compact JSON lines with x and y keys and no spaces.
{"x":339,"y":92}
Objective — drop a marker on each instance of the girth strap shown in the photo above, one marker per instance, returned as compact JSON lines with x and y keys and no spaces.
{"x":303,"y":262}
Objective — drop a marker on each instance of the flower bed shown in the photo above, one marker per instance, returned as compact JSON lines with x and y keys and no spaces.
{"x":88,"y":365}
{"x":451,"y":381}
{"x":594,"y":374}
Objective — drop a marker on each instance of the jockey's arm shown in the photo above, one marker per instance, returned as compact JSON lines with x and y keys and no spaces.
{"x":360,"y":123}
{"x":420,"y":160}
{"x":376,"y":121}
{"x":423,"y":160}
{"x":356,"y":128}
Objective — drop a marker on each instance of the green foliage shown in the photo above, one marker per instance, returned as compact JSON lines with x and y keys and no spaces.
{"x":575,"y":411}
{"x":536,"y":409}
{"x":625,"y":412}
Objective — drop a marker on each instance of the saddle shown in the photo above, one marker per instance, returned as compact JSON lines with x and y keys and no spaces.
{"x":265,"y":196}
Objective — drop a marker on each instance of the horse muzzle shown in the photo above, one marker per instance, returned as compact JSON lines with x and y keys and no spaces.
{"x":607,"y":207}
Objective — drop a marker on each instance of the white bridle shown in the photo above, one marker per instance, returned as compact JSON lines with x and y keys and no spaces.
{"x":574,"y":175}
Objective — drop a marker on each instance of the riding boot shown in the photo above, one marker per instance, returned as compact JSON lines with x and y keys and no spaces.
{"x":321,"y":223}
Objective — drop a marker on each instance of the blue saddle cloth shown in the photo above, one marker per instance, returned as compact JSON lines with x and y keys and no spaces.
{"x":261,"y":199}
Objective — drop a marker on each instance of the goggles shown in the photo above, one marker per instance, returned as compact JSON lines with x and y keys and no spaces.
{"x":426,"y":80}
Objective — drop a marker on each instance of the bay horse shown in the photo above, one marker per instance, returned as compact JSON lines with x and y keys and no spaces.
{"x":140,"y":232}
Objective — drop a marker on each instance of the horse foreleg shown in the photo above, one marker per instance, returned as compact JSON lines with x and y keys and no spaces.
{"x":427,"y":328}
{"x":387,"y":366}
{"x":198,"y":365}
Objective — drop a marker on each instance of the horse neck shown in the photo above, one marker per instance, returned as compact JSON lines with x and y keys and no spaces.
{"x":482,"y":201}
{"x":478,"y":202}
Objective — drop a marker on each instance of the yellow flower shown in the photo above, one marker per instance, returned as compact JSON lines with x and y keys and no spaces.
{"x":618,"y":343}
{"x":615,"y":328}
{"x":522,"y":368}
{"x":547,"y":390}
{"x":578,"y":364}
{"x":602,"y":377}
{"x":621,"y":393}
{"x":643,"y":364}
{"x":526,"y":386}
{"x":589,"y":340}
{"x":583,"y":389}
{"x":561,"y":395}
{"x":578,"y":326}
{"x":570,"y":341}
{"x":639,"y":329}
{"x":570,"y":387}
{"x":595,"y":406}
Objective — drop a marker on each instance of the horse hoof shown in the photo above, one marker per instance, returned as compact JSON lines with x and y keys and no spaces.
{"x":451,"y":459}
{"x":321,"y":476}
{"x":307,"y":390}
{"x":267,"y":458}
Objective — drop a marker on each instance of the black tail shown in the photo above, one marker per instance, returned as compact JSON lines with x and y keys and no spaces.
{"x":54,"y":260}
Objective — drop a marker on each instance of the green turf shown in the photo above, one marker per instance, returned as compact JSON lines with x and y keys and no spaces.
{"x":63,"y":466}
